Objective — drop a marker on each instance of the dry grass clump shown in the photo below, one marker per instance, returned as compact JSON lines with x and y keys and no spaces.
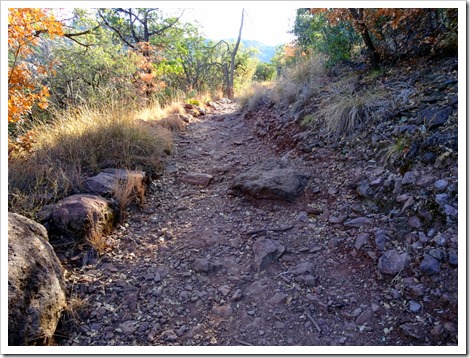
{"x":345,"y":111}
{"x":339,"y":103}
{"x":97,"y":240}
{"x":32,"y":183}
{"x":71,"y":318}
{"x":78,"y":144}
{"x":174,"y":123}
{"x":251,"y":96}
{"x":98,"y":138}
{"x":167,"y":117}
{"x":156,"y":111}
{"x":300,"y":81}
{"x":127,"y":189}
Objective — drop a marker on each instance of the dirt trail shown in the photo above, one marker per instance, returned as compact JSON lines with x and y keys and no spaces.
{"x":180,"y":272}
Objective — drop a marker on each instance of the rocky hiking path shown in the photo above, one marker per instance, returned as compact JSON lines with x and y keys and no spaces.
{"x":206,"y":264}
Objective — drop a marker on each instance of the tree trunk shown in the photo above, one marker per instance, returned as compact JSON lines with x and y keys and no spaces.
{"x":230,"y":76}
{"x":227,"y":90}
{"x":374,"y":57}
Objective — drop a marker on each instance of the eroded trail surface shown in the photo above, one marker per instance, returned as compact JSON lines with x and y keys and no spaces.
{"x":186,"y":269}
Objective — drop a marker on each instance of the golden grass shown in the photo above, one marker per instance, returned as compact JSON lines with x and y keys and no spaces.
{"x":80,"y":143}
{"x":308,"y":89}
{"x":167,"y":117}
{"x":126,"y":190}
{"x":302,"y":80}
{"x":174,"y":123}
{"x":251,"y":96}
{"x":156,"y":111}
{"x":97,"y":240}
{"x":71,"y":317}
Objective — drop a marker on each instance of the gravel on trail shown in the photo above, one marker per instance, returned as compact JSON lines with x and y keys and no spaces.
{"x":204,"y":265}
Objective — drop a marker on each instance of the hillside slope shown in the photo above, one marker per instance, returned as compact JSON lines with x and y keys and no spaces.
{"x":397,"y":165}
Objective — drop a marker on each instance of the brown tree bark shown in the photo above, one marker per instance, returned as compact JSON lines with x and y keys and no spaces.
{"x":374,"y":56}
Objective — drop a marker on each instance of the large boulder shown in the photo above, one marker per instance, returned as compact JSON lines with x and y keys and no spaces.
{"x":36,"y":285}
{"x":272,"y":180}
{"x":80,"y":217}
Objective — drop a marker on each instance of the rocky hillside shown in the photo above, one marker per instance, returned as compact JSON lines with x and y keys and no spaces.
{"x":397,"y":165}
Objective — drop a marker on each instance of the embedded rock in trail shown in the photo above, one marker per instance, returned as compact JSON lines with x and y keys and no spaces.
{"x":36,"y":286}
{"x":266,"y":251}
{"x":430,"y":265}
{"x":302,"y":268}
{"x":392,"y":262}
{"x":206,"y":266}
{"x":198,"y":179}
{"x":80,"y":216}
{"x":271,"y":181}
{"x":358,"y":222}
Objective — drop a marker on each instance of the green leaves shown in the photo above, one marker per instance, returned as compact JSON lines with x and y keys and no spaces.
{"x":315,"y":31}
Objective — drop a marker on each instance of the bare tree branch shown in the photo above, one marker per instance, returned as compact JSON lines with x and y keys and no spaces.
{"x":159,"y":31}
{"x":115,"y":30}
{"x":86,"y":32}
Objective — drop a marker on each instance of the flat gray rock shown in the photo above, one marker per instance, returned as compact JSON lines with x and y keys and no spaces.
{"x":271,"y":181}
{"x":106,"y":182}
{"x":358,"y":222}
{"x":198,"y":179}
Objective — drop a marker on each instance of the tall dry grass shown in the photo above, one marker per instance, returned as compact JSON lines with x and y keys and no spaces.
{"x":345,"y":111}
{"x":338,"y":100}
{"x":156,"y":111}
{"x":300,"y":81}
{"x":80,"y":143}
{"x":251,"y":96}
{"x":127,"y":189}
{"x":169,"y":117}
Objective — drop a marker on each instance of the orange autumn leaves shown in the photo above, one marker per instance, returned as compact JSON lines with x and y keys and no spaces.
{"x":388,"y":18}
{"x":25,"y":27}
{"x":146,"y":81}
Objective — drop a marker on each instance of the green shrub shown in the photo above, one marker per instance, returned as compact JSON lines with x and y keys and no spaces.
{"x":397,"y":149}
{"x":193,"y":102}
{"x":265,"y":72}
{"x":314,"y":32}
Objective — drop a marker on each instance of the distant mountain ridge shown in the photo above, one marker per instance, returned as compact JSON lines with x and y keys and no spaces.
{"x":266,"y":51}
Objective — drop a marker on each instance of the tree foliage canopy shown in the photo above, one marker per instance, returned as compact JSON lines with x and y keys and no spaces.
{"x":386,"y":34}
{"x":95,"y":56}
